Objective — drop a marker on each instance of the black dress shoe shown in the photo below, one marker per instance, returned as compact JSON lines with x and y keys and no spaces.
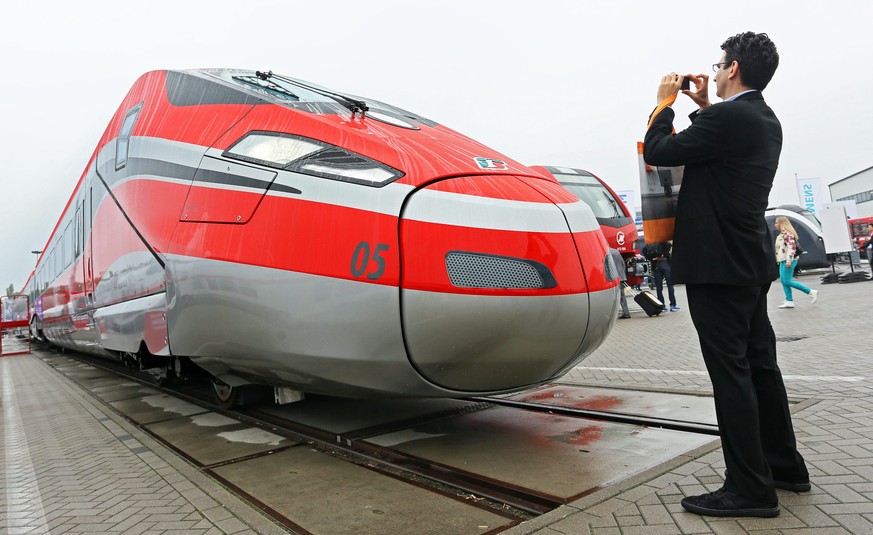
{"x":624,"y":317}
{"x":800,"y":486}
{"x":724,"y":503}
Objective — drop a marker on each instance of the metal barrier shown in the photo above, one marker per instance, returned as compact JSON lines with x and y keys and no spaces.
{"x":15,"y":325}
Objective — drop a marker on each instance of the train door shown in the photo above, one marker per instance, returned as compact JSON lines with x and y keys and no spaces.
{"x":87,"y":258}
{"x":82,"y":334}
{"x":78,"y":283}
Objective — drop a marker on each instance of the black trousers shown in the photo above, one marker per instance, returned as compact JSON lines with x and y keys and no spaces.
{"x":739,"y":349}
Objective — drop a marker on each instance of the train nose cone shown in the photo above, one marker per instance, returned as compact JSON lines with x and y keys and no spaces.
{"x":495,"y":295}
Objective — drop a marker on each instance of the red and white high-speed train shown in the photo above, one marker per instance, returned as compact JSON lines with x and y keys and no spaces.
{"x":274,"y":232}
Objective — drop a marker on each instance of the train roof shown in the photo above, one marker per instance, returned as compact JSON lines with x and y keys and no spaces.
{"x":419,"y":147}
{"x":286,"y":91}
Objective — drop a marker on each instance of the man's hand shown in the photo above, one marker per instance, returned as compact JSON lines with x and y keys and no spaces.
{"x":670,"y":84}
{"x":700,"y":95}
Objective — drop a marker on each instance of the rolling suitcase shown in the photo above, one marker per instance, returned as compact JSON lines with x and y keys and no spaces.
{"x":648,"y":302}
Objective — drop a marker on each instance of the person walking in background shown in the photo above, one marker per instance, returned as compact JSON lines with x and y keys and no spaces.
{"x":622,"y":274}
{"x":868,"y":245}
{"x":659,"y":255}
{"x":723,"y":254}
{"x":786,"y":249}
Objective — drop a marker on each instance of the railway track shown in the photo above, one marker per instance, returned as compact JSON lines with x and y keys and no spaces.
{"x":513,"y":502}
{"x":607,"y":416}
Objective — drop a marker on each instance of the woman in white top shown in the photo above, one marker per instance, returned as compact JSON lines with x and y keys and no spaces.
{"x":786,"y":251}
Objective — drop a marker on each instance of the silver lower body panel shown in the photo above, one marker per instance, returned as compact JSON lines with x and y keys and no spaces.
{"x":124,"y":326}
{"x":343,"y":337}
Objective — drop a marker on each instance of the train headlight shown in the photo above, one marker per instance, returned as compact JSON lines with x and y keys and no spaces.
{"x":339,"y":164}
{"x":311,"y":157}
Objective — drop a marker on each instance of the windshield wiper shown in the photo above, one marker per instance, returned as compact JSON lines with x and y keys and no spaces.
{"x":266,"y":85}
{"x":614,"y":204}
{"x":353,"y":105}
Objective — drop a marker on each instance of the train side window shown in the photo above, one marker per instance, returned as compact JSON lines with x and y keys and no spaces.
{"x":77,"y":250}
{"x":122,"y":144}
{"x":62,"y":251}
{"x":52,"y":266}
{"x":76,"y":230}
{"x":69,"y":237}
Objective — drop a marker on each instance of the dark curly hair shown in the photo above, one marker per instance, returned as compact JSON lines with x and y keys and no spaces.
{"x":757,"y":56}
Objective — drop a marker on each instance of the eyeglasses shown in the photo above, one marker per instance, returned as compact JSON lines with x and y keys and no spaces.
{"x":717,"y":66}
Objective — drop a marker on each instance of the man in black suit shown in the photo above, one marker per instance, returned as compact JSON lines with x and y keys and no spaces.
{"x":723,"y":254}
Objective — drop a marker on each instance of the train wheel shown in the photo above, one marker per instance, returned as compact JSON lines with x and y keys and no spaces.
{"x":227,"y":397}
{"x":163,"y":375}
{"x":129,"y":361}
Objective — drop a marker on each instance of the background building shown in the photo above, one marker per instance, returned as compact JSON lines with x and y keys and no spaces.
{"x":857,"y":187}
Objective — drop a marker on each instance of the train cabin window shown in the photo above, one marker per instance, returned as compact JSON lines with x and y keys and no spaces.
{"x":122,"y":144}
{"x":185,"y":89}
{"x":594,"y":194}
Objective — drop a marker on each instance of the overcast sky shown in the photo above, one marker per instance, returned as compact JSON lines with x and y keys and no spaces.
{"x":548,"y":82}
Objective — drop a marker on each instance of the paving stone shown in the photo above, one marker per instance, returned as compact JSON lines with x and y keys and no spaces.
{"x":726,"y":527}
{"x":231,"y":525}
{"x":819,"y":531}
{"x":864,"y":508}
{"x":855,"y":523}
{"x":655,"y":514}
{"x":811,"y":516}
{"x":690,"y":523}
{"x":843,"y":493}
{"x":649,"y":529}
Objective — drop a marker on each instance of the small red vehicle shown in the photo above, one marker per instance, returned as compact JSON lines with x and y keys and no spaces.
{"x":861,"y":227}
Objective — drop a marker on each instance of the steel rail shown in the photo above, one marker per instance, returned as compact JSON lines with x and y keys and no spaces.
{"x":606,"y":416}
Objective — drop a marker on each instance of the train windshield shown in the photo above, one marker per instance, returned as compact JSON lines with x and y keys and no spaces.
{"x":811,"y":218}
{"x":861,"y":227}
{"x":802,"y":212}
{"x":607,"y":209}
{"x":277,"y":88}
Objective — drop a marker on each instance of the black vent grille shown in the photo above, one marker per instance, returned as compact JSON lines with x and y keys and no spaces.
{"x":477,"y":270}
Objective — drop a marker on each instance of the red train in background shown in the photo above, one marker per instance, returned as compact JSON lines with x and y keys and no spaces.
{"x":616,"y":222}
{"x":274,"y":232}
{"x":861,"y":228}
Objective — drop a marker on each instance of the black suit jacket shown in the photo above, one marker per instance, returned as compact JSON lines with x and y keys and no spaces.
{"x":730,"y":153}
